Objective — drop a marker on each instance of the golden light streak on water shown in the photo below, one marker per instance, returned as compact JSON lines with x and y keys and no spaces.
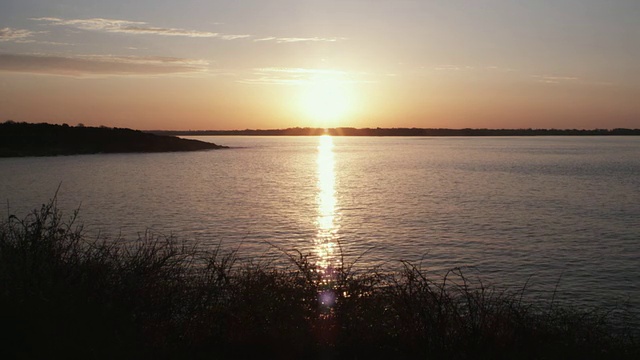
{"x":325,"y":242}
{"x":326,"y":238}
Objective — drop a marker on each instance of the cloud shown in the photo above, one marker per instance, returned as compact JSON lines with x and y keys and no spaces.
{"x":453,"y":68}
{"x":90,"y":24}
{"x":281,"y":40}
{"x":460,"y":68}
{"x":143,"y":28}
{"x":279,"y":76}
{"x":233,"y":37}
{"x":99,"y":65}
{"x":270,"y":38}
{"x":16,"y":35}
{"x":56,"y":43}
{"x":304,"y":71}
{"x":133,"y":27}
{"x":300,"y":76}
{"x":550,"y":79}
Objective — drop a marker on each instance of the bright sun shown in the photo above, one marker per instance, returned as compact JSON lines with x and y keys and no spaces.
{"x":326,"y":101}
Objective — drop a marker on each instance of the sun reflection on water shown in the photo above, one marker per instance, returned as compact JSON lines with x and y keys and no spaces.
{"x":326,"y":240}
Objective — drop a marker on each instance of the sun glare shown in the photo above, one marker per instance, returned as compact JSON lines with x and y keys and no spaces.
{"x":327,"y":224}
{"x":326,"y":101}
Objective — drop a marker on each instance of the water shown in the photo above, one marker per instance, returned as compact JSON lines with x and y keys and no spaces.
{"x":550,"y":212}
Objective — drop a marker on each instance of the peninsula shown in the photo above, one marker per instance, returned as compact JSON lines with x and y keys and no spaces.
{"x":25,"y":139}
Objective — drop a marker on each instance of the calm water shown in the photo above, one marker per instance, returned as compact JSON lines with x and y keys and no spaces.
{"x":552,"y":211}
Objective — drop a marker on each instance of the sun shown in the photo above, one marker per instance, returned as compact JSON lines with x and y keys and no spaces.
{"x":326,"y":101}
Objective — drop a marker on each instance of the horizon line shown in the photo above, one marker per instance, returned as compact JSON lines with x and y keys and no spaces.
{"x":398,"y":128}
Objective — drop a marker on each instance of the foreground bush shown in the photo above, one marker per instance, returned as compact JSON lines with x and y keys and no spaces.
{"x":62,"y":295}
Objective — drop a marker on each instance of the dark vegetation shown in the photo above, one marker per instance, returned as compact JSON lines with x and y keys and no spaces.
{"x":348,"y":131}
{"x":24,"y":139}
{"x":63,"y":296}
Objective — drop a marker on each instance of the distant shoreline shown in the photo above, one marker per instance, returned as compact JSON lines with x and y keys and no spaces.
{"x":346,"y":131}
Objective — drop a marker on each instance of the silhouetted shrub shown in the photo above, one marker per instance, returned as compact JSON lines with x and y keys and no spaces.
{"x":62,"y":294}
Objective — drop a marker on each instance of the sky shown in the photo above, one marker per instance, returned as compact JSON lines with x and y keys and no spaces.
{"x":264,"y":64}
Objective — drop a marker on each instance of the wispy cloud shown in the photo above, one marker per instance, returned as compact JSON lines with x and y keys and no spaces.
{"x":458,"y":68}
{"x":301,"y":71}
{"x":551,"y":79}
{"x":133,"y":27}
{"x":144,"y":28}
{"x":282,"y":40}
{"x":99,"y":65}
{"x":56,"y":43}
{"x":500,"y":68}
{"x":15,"y":35}
{"x":539,"y":78}
{"x":299,"y":76}
{"x":453,"y":68}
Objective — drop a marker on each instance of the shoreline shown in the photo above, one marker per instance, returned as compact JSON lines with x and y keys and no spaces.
{"x":25,"y":139}
{"x":409,"y":132}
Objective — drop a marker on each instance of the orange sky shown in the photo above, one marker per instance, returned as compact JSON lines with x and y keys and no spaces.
{"x":277,"y":64}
